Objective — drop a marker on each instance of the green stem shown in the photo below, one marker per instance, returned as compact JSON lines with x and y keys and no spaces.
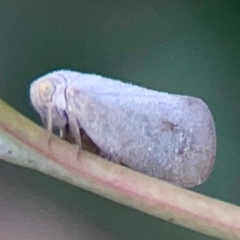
{"x":24,"y":143}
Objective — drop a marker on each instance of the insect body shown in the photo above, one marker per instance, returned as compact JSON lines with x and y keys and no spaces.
{"x":166,"y":136}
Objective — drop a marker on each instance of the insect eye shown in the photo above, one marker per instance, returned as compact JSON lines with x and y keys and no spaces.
{"x":46,"y":90}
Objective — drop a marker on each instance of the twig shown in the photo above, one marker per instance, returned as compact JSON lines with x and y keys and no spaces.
{"x":24,"y":143}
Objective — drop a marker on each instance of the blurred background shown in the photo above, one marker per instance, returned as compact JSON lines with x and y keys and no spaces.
{"x":184,"y":47}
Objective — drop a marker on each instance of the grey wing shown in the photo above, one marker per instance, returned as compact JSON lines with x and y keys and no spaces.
{"x":166,"y":136}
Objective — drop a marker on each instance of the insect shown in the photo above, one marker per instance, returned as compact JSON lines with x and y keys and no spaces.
{"x":166,"y":136}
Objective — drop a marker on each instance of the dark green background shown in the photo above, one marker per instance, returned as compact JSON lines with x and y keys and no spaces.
{"x":187,"y":47}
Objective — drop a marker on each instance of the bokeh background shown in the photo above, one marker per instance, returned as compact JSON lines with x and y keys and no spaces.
{"x":185,"y":47}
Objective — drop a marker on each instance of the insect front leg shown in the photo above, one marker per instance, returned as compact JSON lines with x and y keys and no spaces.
{"x":48,"y":122}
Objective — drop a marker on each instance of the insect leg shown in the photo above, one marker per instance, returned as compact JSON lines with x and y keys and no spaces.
{"x":62,"y":132}
{"x":75,"y":130}
{"x":48,"y":123}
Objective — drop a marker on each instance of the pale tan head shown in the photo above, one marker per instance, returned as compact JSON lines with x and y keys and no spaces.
{"x":47,"y":95}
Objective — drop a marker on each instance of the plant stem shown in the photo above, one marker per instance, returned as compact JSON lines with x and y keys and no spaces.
{"x":24,"y":143}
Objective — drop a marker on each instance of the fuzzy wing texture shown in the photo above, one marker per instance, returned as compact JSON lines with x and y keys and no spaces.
{"x":166,"y":136}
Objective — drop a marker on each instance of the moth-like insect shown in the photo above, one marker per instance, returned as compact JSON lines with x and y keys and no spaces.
{"x":166,"y":136}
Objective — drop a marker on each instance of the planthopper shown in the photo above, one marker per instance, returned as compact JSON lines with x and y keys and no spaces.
{"x":166,"y":136}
